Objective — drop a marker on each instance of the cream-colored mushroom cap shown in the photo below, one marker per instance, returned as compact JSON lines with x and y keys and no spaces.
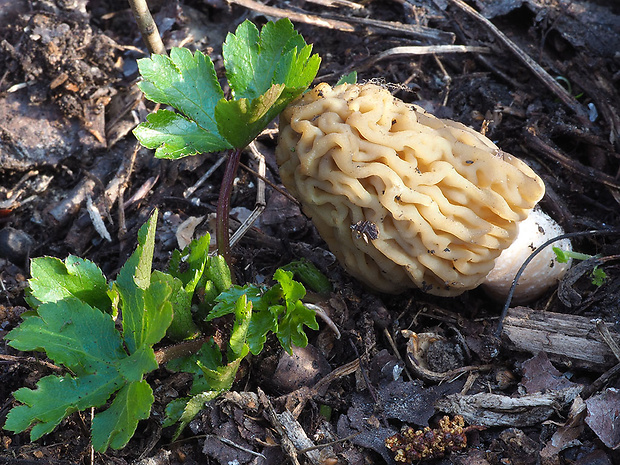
{"x":402,"y":198}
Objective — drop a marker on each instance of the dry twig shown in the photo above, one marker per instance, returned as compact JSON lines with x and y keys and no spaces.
{"x":553,"y":85}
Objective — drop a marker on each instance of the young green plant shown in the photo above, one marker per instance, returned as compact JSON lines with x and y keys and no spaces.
{"x":73,"y":322}
{"x":265,"y":70}
{"x":597,"y":274}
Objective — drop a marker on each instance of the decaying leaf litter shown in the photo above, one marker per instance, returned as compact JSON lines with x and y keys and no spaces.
{"x":68,"y":101}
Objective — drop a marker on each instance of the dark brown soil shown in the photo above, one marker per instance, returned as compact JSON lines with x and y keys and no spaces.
{"x":68,"y":102}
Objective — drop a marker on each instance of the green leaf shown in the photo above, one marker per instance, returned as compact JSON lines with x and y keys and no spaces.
{"x":184,"y":410}
{"x":115,"y":426}
{"x":56,"y":398}
{"x":310,"y":276}
{"x":278,"y":55}
{"x":182,"y":326}
{"x":218,"y":272}
{"x":134,"y":367}
{"x":53,"y":280}
{"x":293,"y":291}
{"x":350,"y":78}
{"x":563,"y":256}
{"x":237,"y":342}
{"x":229,"y":298}
{"x":599,"y":276}
{"x":175,"y":136}
{"x":73,"y":334}
{"x":266,"y":70}
{"x":187,"y":82}
{"x":263,"y":323}
{"x":240,"y":121}
{"x":85,"y":340}
{"x":146,"y":310}
{"x":290,"y":329}
{"x":193,"y":258}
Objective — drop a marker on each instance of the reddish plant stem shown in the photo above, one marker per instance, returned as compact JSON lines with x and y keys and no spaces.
{"x":222,"y":235}
{"x":183,"y":349}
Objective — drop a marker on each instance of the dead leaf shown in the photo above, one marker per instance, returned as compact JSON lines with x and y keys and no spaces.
{"x":604,"y":416}
{"x":539,"y":375}
{"x":567,"y":435}
{"x":185,"y":231}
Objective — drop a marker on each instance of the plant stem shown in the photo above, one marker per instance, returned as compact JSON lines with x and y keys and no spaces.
{"x":183,"y":349}
{"x":147,"y":26}
{"x":223,"y":204}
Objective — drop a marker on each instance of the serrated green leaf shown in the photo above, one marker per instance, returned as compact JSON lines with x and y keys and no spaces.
{"x":56,"y":397}
{"x":228,"y":299}
{"x":262,"y":323}
{"x":240,"y":121}
{"x":186,"y":81}
{"x":134,"y":367}
{"x":218,"y":272}
{"x":53,"y":280}
{"x":182,"y":325}
{"x":350,"y":78}
{"x":72,"y":333}
{"x":209,"y":356}
{"x":237,"y":343}
{"x":146,"y":310}
{"x":255,"y":61}
{"x":290,"y":328}
{"x":194,"y":258}
{"x":115,"y":426}
{"x":189,"y":409}
{"x":174,"y":136}
{"x":292,"y":290}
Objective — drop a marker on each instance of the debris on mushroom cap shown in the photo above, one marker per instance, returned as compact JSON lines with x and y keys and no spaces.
{"x":543,"y":272}
{"x":402,"y":198}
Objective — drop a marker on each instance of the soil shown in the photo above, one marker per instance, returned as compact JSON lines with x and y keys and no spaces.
{"x":68,"y":102}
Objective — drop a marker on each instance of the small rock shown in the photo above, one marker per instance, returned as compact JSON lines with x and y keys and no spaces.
{"x":304,"y":368}
{"x":15,"y":246}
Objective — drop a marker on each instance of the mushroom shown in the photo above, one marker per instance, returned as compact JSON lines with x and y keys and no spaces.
{"x":543,"y":272}
{"x":402,"y":198}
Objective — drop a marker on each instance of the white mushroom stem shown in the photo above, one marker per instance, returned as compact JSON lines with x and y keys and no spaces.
{"x":542,"y":273}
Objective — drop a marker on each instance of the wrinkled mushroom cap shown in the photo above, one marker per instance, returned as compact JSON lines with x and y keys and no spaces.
{"x":402,"y":198}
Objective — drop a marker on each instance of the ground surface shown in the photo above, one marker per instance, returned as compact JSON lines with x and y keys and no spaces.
{"x":68,"y":101}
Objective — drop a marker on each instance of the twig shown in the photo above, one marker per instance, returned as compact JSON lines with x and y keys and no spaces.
{"x":600,"y":381}
{"x":416,"y":50}
{"x":538,"y":70}
{"x":570,"y":164}
{"x":392,"y":344}
{"x":147,"y":26}
{"x":287,"y":445}
{"x":260,"y":204}
{"x":607,"y":337}
{"x":392,"y":27}
{"x":331,"y":443}
{"x":237,"y":446}
{"x":515,"y":281}
{"x":295,"y":17}
{"x":33,"y":360}
{"x":190,"y":190}
{"x":322,"y":314}
{"x":270,"y":184}
{"x":305,"y":393}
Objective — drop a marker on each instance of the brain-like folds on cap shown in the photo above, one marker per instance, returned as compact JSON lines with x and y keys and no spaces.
{"x":441,"y":200}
